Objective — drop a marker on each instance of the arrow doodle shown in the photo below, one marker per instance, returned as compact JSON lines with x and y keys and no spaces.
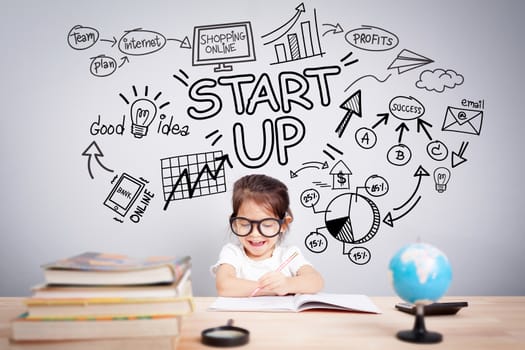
{"x":351,"y":105}
{"x":312,"y":164}
{"x":384,"y":119}
{"x":288,"y":25}
{"x":457,"y":158}
{"x":124,"y":59}
{"x":401,"y":128}
{"x":389,"y":220}
{"x":334,"y":28}
{"x":184,"y":44}
{"x":421,"y":125}
{"x":114,"y":41}
{"x":94,"y":151}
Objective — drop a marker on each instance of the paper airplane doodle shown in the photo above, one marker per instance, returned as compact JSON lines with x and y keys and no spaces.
{"x":407,"y":60}
{"x":351,"y":105}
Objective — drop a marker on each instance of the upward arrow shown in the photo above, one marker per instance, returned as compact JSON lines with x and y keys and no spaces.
{"x":94,"y":151}
{"x":285,"y":27}
{"x":351,"y":105}
{"x":389,"y":220}
{"x":401,"y":128}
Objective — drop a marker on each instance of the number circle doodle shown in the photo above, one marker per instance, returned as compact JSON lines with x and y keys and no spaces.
{"x":359,"y":255}
{"x":309,"y":198}
{"x":376,"y":186}
{"x":316,"y":242}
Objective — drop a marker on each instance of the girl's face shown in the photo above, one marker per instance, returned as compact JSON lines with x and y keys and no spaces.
{"x":257,"y":246}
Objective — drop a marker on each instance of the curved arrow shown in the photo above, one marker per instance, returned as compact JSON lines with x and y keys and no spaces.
{"x":94,"y":151}
{"x":389,"y":220}
{"x":420,"y":172}
{"x":335,"y":28}
{"x":288,"y":25}
{"x":312,"y":164}
{"x":124,"y":59}
{"x":184,"y":44}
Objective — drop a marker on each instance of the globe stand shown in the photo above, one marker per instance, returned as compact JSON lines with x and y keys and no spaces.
{"x":419,"y":333}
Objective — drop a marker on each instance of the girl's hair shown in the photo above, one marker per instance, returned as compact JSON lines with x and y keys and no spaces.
{"x":263,"y":190}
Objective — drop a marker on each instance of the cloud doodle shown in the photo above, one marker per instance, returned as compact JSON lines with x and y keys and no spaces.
{"x":439,"y":79}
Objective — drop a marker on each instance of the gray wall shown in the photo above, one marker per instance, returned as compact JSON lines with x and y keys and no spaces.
{"x":55,"y":187}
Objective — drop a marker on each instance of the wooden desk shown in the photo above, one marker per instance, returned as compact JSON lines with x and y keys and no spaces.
{"x":487,"y":323}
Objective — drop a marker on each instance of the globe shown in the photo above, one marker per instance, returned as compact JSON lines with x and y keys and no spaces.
{"x":420,"y":273}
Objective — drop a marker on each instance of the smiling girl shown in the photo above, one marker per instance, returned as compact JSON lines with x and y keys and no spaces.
{"x":260,"y":219}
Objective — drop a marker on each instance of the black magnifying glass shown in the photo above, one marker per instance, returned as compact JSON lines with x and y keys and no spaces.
{"x":225,"y":336}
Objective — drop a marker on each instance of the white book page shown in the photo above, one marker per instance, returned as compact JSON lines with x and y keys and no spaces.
{"x":356,"y":302}
{"x":265,"y":303}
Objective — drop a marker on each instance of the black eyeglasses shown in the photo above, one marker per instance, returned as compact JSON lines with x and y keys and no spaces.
{"x":268,"y":227}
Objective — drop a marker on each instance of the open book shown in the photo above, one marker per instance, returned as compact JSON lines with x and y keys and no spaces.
{"x":297,"y":303}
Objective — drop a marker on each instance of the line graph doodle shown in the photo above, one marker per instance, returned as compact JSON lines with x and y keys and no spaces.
{"x":193,"y":175}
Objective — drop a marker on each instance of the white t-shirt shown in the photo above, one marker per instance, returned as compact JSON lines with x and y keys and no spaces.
{"x":249,"y":269}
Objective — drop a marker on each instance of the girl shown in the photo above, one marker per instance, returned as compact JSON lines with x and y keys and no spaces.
{"x":260,"y":219}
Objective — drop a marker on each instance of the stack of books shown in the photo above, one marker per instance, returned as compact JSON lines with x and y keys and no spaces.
{"x":100,"y":300}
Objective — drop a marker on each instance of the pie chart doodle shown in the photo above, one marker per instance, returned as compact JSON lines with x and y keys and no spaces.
{"x":352,"y":218}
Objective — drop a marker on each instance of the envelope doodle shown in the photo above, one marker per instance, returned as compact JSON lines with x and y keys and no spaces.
{"x":466,"y":121}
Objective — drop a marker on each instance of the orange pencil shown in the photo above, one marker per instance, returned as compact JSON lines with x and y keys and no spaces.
{"x":282,"y":266}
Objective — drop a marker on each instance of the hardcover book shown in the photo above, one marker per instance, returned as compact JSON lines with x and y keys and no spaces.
{"x":68,"y":328}
{"x":60,"y":308}
{"x":171,"y":290}
{"x":94,"y":268}
{"x":134,"y":343}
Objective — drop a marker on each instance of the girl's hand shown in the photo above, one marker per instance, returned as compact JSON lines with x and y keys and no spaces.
{"x":274,"y":282}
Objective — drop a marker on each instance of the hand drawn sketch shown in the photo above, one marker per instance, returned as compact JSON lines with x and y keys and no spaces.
{"x":372,"y":38}
{"x":124,"y":194}
{"x":465,"y":121}
{"x":295,"y":40}
{"x":93,"y":150}
{"x":407,"y":60}
{"x":134,"y":42}
{"x":439,"y":79}
{"x":193,"y":175}
{"x":222,"y":45}
{"x":265,"y":115}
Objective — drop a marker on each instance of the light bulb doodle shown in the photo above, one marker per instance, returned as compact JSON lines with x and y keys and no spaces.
{"x":441,"y":178}
{"x":143,"y":111}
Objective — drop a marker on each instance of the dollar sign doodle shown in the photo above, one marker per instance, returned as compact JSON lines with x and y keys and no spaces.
{"x":340,"y":178}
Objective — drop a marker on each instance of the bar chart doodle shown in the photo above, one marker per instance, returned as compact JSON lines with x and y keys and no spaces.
{"x":295,"y":40}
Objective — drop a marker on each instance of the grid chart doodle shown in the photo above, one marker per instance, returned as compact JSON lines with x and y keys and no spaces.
{"x":193,"y":175}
